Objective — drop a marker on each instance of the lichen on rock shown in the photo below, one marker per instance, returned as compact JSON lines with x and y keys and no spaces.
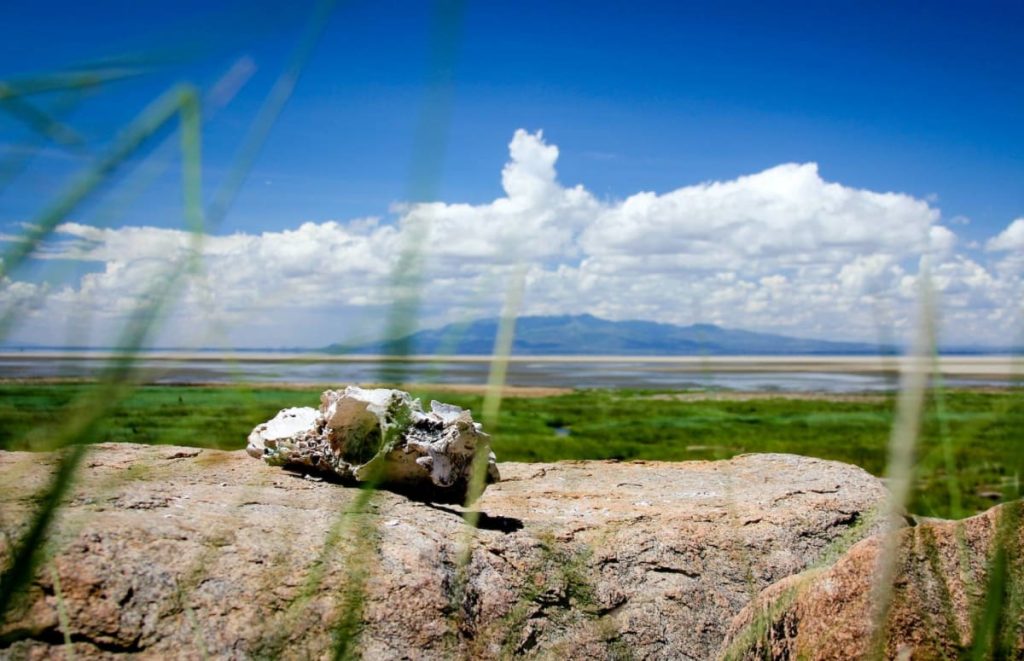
{"x":382,"y":436}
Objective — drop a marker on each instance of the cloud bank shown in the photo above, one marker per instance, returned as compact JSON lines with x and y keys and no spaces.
{"x":780,"y":250}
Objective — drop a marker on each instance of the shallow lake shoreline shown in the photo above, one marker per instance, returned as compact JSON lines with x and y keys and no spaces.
{"x":471,"y":373}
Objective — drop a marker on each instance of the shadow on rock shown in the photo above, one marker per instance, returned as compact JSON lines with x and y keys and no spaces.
{"x":505,"y":524}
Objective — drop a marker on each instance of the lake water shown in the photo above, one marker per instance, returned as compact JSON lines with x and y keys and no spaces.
{"x":784,"y":374}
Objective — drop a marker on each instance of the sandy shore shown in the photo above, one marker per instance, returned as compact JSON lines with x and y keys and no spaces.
{"x":455,"y":388}
{"x":987,"y":367}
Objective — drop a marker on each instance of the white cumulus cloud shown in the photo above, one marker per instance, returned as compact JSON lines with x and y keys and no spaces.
{"x":781,"y":250}
{"x":1012,"y":238}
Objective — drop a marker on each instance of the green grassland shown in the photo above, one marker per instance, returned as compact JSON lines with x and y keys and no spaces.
{"x":971,"y":446}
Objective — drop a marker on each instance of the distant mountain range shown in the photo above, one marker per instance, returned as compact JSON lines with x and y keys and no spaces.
{"x":589,"y":335}
{"x":581,"y":335}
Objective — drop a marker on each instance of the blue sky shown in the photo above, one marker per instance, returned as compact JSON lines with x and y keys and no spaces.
{"x":922,"y":99}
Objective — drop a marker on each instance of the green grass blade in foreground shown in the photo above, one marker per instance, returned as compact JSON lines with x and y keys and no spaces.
{"x":259,"y":130}
{"x":62,"y":614}
{"x":134,"y":137}
{"x":956,"y":509}
{"x":406,"y":283}
{"x":154,"y":303}
{"x":26,"y":553}
{"x":363,"y":535}
{"x":429,"y":147}
{"x":181,"y":99}
{"x":72,"y":79}
{"x":140,"y":179}
{"x":82,"y":424}
{"x":900,"y":468}
{"x":191,"y":172}
{"x":43,"y":123}
{"x":495,"y":387}
{"x":489,"y":417}
{"x":27,"y":150}
{"x":998,"y":617}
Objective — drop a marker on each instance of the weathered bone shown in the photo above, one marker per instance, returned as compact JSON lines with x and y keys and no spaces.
{"x":381,"y":436}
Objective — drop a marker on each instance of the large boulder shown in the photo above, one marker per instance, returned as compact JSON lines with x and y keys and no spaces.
{"x":942,"y":589}
{"x":168,"y":552}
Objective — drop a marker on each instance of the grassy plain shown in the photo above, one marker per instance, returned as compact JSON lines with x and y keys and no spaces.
{"x":970,"y":452}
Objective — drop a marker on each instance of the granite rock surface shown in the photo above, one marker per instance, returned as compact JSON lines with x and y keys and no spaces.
{"x":943,"y":580}
{"x":169,"y":552}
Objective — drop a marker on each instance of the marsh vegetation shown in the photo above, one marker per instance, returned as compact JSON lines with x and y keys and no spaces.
{"x":969,"y":454}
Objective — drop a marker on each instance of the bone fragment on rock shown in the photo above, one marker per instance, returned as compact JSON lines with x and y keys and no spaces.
{"x":383,"y":436}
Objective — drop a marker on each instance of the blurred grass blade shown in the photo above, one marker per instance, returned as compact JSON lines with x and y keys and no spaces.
{"x":994,"y":634}
{"x":429,"y":147}
{"x":489,"y":417}
{"x":503,"y":348}
{"x":192,"y":163}
{"x":42,"y":123}
{"x":182,"y":100}
{"x":362,"y":535}
{"x":956,"y":510}
{"x":23,"y":155}
{"x":900,"y":465}
{"x":430,"y":142}
{"x":62,"y":614}
{"x":145,"y":125}
{"x":222,"y":92}
{"x":25,"y":555}
{"x":65,"y":80}
{"x":82,"y":423}
{"x":271,"y":109}
{"x":406,"y":277}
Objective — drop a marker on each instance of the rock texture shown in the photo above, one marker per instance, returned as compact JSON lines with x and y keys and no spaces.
{"x":166,"y":552}
{"x":943,"y":572}
{"x":381,"y":436}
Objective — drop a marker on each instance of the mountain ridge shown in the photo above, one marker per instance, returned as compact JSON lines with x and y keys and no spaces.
{"x":588,"y":335}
